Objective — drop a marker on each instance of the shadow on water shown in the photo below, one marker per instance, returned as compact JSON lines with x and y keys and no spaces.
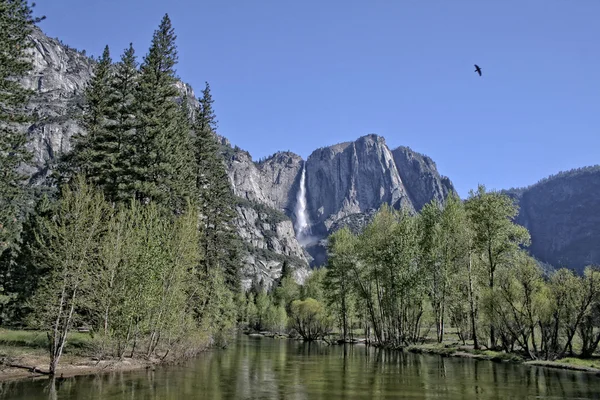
{"x":260,"y":368}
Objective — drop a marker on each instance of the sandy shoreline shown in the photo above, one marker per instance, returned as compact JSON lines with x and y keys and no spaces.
{"x":75,"y":367}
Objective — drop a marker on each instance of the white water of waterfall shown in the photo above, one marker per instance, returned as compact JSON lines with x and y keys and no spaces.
{"x":302,"y":223}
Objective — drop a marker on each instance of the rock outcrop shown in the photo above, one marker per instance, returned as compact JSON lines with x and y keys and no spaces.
{"x":273,"y":181}
{"x":58,"y":78}
{"x":421,"y":177}
{"x":352,"y":178}
{"x":562,"y":214}
{"x":270,"y":241}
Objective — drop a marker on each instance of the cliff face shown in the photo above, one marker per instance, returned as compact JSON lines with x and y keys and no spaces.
{"x":273,"y":182}
{"x":270,"y":241}
{"x":421,"y":177}
{"x":351,"y":178}
{"x":58,"y":78}
{"x":562,"y":214}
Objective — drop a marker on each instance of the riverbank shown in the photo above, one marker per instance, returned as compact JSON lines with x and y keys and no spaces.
{"x":35,"y":366}
{"x":445,"y":350}
{"x":570,"y":363}
{"x":23,"y":355}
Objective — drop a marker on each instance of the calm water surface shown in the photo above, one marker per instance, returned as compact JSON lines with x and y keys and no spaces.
{"x":261,"y":368}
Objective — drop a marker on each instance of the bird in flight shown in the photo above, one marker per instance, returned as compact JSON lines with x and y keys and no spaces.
{"x":477,"y":69}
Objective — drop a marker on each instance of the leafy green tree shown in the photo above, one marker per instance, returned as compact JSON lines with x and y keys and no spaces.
{"x":338,"y":282}
{"x":309,"y":318}
{"x":496,"y":236}
{"x":313,"y":286}
{"x":16,"y":23}
{"x":287,"y":291}
{"x":519,"y":304}
{"x":67,"y":245}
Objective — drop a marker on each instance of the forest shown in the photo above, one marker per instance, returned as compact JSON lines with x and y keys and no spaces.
{"x":132,"y":237}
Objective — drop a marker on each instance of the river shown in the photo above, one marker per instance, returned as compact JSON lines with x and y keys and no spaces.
{"x":262,"y":368}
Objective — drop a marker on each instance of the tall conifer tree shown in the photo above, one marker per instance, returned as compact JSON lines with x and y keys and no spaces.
{"x":219,"y":242}
{"x":86,"y":156}
{"x":121,"y":132}
{"x":16,"y":23}
{"x":162,"y":163}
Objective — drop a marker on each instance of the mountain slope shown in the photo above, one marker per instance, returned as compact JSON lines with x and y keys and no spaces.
{"x":562,"y":213}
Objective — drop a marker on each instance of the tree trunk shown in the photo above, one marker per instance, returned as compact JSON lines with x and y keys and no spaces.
{"x":472,"y":307}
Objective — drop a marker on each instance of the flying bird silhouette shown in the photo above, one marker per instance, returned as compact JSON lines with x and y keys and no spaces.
{"x":477,"y":69}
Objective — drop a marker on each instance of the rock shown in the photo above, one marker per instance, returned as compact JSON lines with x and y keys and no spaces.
{"x":270,"y":241}
{"x":421,"y":178}
{"x":351,"y":178}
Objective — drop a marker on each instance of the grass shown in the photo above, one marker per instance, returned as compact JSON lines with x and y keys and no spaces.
{"x":76,"y":342}
{"x":581,"y":362}
{"x":498,"y":355}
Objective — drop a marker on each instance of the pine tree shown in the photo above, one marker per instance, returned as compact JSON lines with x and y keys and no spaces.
{"x":121,"y":133}
{"x":16,"y":23}
{"x":162,"y":159}
{"x":87,"y":156}
{"x":219,"y":242}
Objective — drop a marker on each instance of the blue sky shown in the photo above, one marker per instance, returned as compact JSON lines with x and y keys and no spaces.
{"x":298,"y":75}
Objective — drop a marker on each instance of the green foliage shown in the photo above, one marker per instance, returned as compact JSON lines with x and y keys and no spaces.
{"x":67,"y":245}
{"x":264,"y":312}
{"x":496,"y":237}
{"x":286,"y":292}
{"x":466,"y":258}
{"x":338,"y":280}
{"x":310,"y":319}
{"x":16,"y":23}
{"x":139,"y":244}
{"x":220,"y":243}
{"x":313,"y":286}
{"x":162,"y":159}
{"x":87,"y":157}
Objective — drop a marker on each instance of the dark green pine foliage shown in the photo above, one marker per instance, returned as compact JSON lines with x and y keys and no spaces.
{"x":23,"y":274}
{"x":220,"y":241}
{"x":119,"y":146}
{"x":162,"y":160}
{"x":16,"y":23}
{"x":87,"y":156}
{"x":286,"y":272}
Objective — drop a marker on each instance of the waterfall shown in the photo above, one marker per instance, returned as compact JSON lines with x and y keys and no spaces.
{"x":302,"y":223}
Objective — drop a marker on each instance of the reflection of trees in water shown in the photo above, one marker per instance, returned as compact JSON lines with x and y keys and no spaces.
{"x":283,"y":369}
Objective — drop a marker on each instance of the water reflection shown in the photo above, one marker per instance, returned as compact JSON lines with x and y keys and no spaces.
{"x":256,"y":368}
